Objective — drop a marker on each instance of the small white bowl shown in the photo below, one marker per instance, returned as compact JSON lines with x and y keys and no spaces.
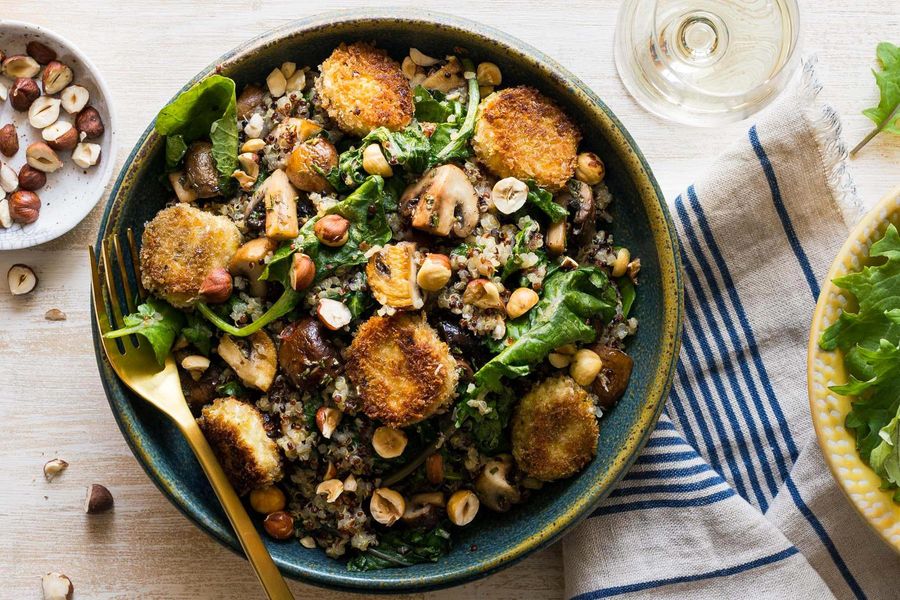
{"x":71,"y":192}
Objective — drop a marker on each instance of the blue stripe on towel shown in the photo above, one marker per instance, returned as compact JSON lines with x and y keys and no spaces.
{"x":824,"y":538}
{"x":634,"y":474}
{"x":665,"y":503}
{"x":657,"y":442}
{"x":749,"y":338}
{"x":670,"y":488}
{"x":783,"y":214}
{"x":721,"y":352}
{"x":654,"y":459}
{"x":646,"y":585}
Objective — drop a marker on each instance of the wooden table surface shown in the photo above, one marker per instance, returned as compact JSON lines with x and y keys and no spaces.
{"x":51,"y":400}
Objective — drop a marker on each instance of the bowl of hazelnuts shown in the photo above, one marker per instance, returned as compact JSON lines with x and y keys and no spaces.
{"x":57,"y":135}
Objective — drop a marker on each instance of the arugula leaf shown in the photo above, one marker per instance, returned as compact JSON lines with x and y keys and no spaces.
{"x":887,"y":114}
{"x":198,"y":333}
{"x":208,"y":109}
{"x":433,"y":107}
{"x":543,"y":199}
{"x":155,"y":320}
{"x":870,"y":340}
{"x":403,"y":548}
{"x":364,"y":209}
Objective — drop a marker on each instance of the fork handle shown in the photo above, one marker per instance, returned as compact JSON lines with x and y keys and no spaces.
{"x":257,"y":553}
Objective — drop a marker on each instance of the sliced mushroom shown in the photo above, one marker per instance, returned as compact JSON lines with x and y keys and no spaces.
{"x":580,"y":197}
{"x":610,"y":384}
{"x":200,"y":169}
{"x":280,"y":199}
{"x":448,"y":77}
{"x":493,"y":487}
{"x":250,"y":261}
{"x":433,"y":202}
{"x":424,"y":510}
{"x":255,"y":365}
{"x":251,"y":97}
{"x":306,"y":355}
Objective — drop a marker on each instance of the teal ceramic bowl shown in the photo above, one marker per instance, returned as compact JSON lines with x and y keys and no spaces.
{"x":641,"y":222}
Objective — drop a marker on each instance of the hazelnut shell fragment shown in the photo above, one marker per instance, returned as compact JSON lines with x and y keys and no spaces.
{"x":97,"y":500}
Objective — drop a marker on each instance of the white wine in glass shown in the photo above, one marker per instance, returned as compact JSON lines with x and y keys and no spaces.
{"x":706,"y":62}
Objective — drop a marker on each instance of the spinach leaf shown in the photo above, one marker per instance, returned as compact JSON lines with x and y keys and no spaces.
{"x":368,"y":227}
{"x":233,"y":388}
{"x":156,"y":321}
{"x":543,"y":199}
{"x":408,"y":148}
{"x":521,"y":246}
{"x":887,"y":114}
{"x":208,"y":109}
{"x":488,"y":428}
{"x":449,"y":142}
{"x":870,"y":340}
{"x":198,"y":333}
{"x":628,"y":293}
{"x":433,"y":107}
{"x":398,"y":548}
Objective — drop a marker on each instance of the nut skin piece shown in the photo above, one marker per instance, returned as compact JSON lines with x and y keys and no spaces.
{"x":332,"y":230}
{"x":303,"y":272}
{"x":98,"y":499}
{"x":56,"y":77}
{"x":54,"y":467}
{"x":9,"y":140}
{"x":268,"y":499}
{"x":40,"y":52}
{"x":23,"y":92}
{"x":21,"y":279}
{"x":56,"y":586}
{"x":279,"y":525}
{"x":217,"y":286}
{"x":24,"y":207}
{"x":89,"y":122}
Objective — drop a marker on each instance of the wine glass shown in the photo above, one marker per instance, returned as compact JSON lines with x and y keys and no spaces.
{"x":706,"y":62}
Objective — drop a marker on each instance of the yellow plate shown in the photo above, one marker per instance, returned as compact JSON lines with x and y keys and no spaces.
{"x":825,"y":369}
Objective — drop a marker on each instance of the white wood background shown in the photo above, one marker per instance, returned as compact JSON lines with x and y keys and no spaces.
{"x":51,"y":400}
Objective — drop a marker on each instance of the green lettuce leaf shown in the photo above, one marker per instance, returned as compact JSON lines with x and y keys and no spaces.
{"x":207,"y":109}
{"x":888,"y":81}
{"x":433,"y":107}
{"x":198,"y":333}
{"x":156,"y":321}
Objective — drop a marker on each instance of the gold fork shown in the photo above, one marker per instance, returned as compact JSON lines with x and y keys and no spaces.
{"x":137,"y":367}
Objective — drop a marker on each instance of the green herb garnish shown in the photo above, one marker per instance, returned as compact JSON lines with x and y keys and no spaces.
{"x":887,"y":114}
{"x":155,"y":320}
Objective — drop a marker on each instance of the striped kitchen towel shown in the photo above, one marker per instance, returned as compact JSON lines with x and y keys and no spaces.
{"x":731,"y":497}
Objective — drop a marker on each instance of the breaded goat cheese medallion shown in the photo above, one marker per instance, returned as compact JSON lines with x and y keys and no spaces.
{"x":401,"y":369}
{"x":521,"y":133}
{"x":362,"y":88}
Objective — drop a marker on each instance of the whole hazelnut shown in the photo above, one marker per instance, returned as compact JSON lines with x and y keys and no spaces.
{"x":89,"y":122}
{"x":332,"y":230}
{"x":24,"y":207}
{"x":56,"y":77}
{"x":23,"y":92}
{"x":40,"y":52}
{"x":60,"y":136}
{"x":279,"y":525}
{"x":31,"y":179}
{"x":98,"y":499}
{"x":9,"y":139}
{"x":303,"y":272}
{"x":216,"y":286}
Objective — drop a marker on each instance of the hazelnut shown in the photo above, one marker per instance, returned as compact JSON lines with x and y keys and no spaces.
{"x":56,"y":586}
{"x":54,"y":467}
{"x":54,"y":314}
{"x":24,"y":207}
{"x":60,"y":136}
{"x":434,"y":273}
{"x":43,"y":112}
{"x":21,"y":279}
{"x":40,"y":52}
{"x":559,"y":361}
{"x":388,"y":442}
{"x":509,"y":195}
{"x":20,"y":66}
{"x":586,"y":365}
{"x":308,"y":542}
{"x":86,"y":155}
{"x":216,"y":286}
{"x":350,"y":484}
{"x":97,"y":500}
{"x":253,"y":145}
{"x":277,"y":83}
{"x":89,"y":122}
{"x":520,"y":302}
{"x":327,"y":420}
{"x":620,"y":264}
{"x":268,"y":499}
{"x":23,"y":92}
{"x":8,"y":180}
{"x":31,"y":179}
{"x":56,"y":77}
{"x":330,"y":471}
{"x":331,"y":489}
{"x":483,"y":294}
{"x":42,"y":157}
{"x":462,"y":507}
{"x":488,"y":73}
{"x":5,"y":218}
{"x":374,"y":162}
{"x":196,"y":365}
{"x":333,"y":314}
{"x":332,"y":230}
{"x":279,"y":525}
{"x":434,"y":469}
{"x":386,"y":506}
{"x":589,"y":168}
{"x":303,"y":271}
{"x":9,"y":139}
{"x":74,"y":98}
